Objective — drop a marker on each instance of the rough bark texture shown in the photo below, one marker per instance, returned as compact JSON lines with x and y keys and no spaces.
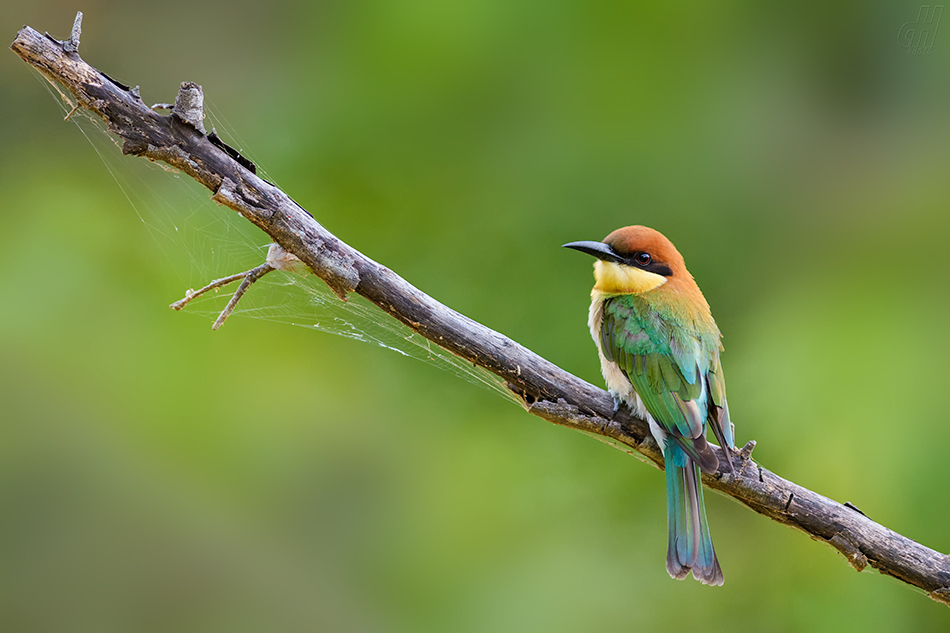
{"x":546,"y":390}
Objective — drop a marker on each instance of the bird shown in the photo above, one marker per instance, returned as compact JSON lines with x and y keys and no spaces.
{"x":659,"y":353}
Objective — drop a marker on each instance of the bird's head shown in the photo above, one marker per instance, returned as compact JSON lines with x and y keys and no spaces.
{"x":633,"y":260}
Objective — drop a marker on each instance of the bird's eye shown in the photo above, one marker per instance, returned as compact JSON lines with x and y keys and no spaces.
{"x":643,"y":259}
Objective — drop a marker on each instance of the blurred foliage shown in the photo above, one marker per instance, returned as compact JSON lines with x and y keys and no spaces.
{"x":155,"y":476}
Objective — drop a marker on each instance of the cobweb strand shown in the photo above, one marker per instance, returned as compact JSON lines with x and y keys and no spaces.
{"x":187,"y":226}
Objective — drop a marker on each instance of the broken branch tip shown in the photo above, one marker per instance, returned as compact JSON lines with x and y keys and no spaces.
{"x":72,"y":44}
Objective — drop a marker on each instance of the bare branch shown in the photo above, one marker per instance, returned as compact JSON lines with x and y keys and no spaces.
{"x":214,"y":285}
{"x":277,"y":259}
{"x":546,"y":390}
{"x":248,"y":277}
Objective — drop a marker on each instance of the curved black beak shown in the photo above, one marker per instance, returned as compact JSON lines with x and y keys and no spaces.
{"x":597,"y":249}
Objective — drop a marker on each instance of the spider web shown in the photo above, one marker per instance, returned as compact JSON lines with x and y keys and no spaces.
{"x":203,"y":241}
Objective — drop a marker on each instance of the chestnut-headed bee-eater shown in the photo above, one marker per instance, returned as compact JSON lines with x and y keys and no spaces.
{"x":659,"y":353}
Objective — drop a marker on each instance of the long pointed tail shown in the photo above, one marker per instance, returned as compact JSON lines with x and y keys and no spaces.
{"x":691,"y":546}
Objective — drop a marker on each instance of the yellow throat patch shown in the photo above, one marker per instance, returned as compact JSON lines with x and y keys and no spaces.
{"x":617,"y":279}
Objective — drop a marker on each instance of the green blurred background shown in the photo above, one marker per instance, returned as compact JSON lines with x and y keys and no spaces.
{"x":156,"y":476}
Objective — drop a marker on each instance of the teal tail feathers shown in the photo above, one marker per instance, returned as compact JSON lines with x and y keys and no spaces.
{"x":691,"y":546}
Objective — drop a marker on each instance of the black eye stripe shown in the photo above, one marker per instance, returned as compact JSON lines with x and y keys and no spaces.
{"x":645,"y":261}
{"x":660,"y":269}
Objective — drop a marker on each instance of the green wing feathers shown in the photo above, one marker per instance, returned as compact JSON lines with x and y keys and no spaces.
{"x":719,"y":407}
{"x":672,"y":374}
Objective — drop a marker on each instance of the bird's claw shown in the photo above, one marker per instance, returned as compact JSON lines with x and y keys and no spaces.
{"x":616,"y":408}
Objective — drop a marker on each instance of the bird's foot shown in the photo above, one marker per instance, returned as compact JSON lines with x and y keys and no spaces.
{"x":617,"y":403}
